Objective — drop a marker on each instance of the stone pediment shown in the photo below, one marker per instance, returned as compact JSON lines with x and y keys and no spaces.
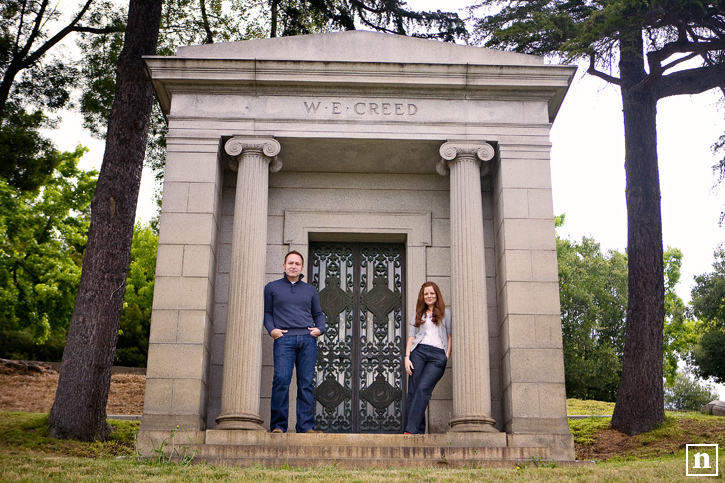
{"x":355,"y":65}
{"x":357,"y":46}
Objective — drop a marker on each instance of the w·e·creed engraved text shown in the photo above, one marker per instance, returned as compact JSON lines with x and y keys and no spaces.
{"x":362,"y":108}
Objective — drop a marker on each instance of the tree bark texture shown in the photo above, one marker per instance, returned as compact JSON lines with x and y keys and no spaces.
{"x":640,"y":402}
{"x":79,"y":410}
{"x":5,"y":86}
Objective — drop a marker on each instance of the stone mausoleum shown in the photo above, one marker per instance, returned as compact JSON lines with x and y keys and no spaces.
{"x":387,"y":161}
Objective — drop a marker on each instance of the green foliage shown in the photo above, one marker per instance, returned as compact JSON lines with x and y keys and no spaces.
{"x":588,"y":407}
{"x":42,"y":239}
{"x":98,"y":72}
{"x":593,"y":296}
{"x":391,"y":16}
{"x":708,"y":295}
{"x":47,"y":85}
{"x":35,"y":77}
{"x":585,"y":430}
{"x":708,"y":305}
{"x":680,"y":334}
{"x":29,"y":431}
{"x":708,"y":356}
{"x":133,"y":336}
{"x":592,"y":30}
{"x":688,"y":394}
{"x":668,"y":429}
{"x":27,"y":159}
{"x":31,"y":72}
{"x":184,"y":22}
{"x":719,"y":169}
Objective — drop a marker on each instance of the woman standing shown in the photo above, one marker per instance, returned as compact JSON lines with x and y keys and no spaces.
{"x":426,"y":353}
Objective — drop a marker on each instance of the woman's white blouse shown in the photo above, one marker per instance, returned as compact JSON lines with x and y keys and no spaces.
{"x":418,"y":332}
{"x":431,"y":334}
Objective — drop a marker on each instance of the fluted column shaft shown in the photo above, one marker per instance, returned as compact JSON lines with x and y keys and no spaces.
{"x":471,"y":367}
{"x":243,"y":344}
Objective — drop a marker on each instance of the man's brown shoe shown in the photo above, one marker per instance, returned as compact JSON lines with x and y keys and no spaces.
{"x":277,"y":431}
{"x":313,"y":431}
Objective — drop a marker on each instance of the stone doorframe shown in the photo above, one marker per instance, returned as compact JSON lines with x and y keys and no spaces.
{"x":416,"y":227}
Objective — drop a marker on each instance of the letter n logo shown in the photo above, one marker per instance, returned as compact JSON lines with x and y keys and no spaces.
{"x":702,"y":460}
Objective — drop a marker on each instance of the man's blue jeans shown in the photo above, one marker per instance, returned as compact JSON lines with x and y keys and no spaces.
{"x":291,"y":351}
{"x":429,"y":364}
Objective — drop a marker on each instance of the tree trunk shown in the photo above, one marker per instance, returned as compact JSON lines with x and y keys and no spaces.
{"x":273,"y":17}
{"x":640,"y":402}
{"x":5,"y":86}
{"x":79,"y":410}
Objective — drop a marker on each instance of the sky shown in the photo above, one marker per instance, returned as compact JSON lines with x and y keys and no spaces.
{"x":588,"y":179}
{"x":587,"y":167}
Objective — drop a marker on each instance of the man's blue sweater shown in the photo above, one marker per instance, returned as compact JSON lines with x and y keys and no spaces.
{"x":293,"y":307}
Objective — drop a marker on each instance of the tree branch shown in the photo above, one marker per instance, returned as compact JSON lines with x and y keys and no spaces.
{"x":205,"y":21}
{"x":362,"y":6}
{"x":102,"y":30}
{"x":33,"y":34}
{"x":273,"y":18}
{"x":679,"y":61}
{"x":365,"y":21}
{"x":592,"y":70}
{"x":691,"y":81}
{"x":656,"y":57}
{"x":21,"y":21}
{"x":28,"y":61}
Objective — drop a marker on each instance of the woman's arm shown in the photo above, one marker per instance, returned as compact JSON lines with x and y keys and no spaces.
{"x":408,"y":365}
{"x":448,"y":332}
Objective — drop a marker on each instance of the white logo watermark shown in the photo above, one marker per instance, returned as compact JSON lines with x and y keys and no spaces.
{"x":701,"y":460}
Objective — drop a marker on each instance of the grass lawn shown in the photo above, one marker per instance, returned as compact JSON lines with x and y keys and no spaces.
{"x":27,"y":454}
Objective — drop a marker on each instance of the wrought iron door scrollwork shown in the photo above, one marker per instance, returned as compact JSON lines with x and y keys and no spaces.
{"x":360,"y":385}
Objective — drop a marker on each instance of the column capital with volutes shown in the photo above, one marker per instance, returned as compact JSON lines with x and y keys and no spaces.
{"x":477,"y":151}
{"x":239,"y":146}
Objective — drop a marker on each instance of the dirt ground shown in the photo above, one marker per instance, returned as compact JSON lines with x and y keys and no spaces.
{"x":31,"y":388}
{"x":682,"y":431}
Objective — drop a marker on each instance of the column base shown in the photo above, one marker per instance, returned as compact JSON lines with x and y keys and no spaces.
{"x":473,"y":424}
{"x":245,"y":422}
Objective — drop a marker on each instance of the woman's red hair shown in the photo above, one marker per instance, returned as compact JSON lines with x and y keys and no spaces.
{"x":439,"y":307}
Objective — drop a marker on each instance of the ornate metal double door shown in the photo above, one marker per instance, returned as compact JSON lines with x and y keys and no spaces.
{"x":359,"y":385}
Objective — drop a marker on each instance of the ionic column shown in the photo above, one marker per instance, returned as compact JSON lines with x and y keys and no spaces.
{"x":471,"y":371}
{"x":253,"y":159}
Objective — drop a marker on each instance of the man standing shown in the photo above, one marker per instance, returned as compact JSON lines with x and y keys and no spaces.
{"x":294,"y":318}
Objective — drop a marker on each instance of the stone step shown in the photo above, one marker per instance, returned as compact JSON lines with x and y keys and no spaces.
{"x":359,"y":456}
{"x":338,"y":452}
{"x":455,"y":450}
{"x":367,"y":463}
{"x":474,"y":440}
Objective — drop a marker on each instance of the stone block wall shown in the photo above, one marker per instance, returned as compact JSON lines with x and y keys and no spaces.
{"x":180,"y":339}
{"x":527,"y":287}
